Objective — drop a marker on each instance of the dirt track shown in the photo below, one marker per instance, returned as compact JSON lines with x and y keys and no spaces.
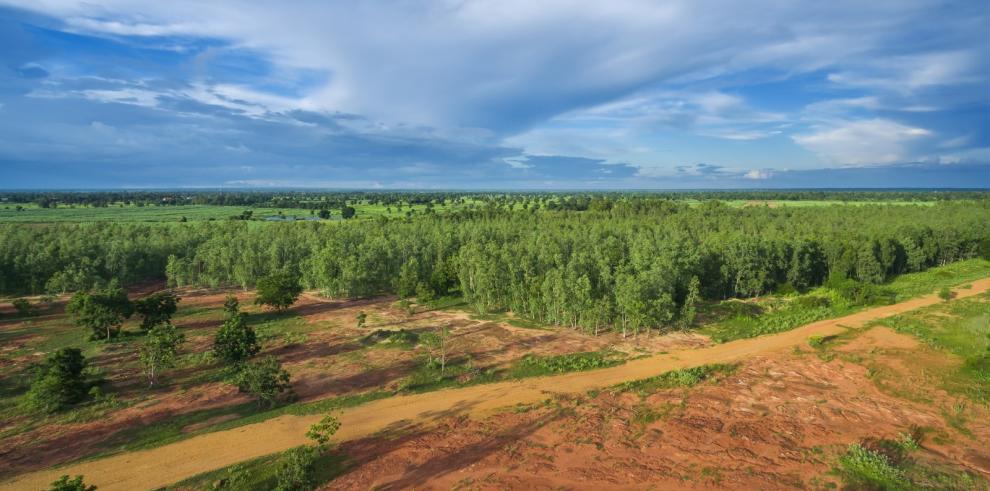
{"x":153,"y":468}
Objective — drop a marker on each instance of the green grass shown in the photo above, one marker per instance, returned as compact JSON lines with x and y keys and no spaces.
{"x":781,"y":313}
{"x":538,"y":366}
{"x":888,"y":465}
{"x":686,"y":377}
{"x":119,"y":212}
{"x":260,"y":473}
{"x":962,"y":328}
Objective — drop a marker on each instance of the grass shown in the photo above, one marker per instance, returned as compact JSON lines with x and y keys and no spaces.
{"x":882,"y":464}
{"x":686,"y":377}
{"x":739,"y":320}
{"x":538,"y":366}
{"x":260,"y":473}
{"x":962,"y":328}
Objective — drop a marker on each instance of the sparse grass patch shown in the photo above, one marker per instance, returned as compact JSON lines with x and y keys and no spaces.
{"x":687,"y":377}
{"x":536,"y":366}
{"x":260,"y":473}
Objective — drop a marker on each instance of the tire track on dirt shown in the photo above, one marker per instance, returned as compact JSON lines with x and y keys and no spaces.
{"x":161,"y":466}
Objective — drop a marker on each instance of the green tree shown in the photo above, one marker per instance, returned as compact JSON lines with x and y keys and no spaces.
{"x":689,"y":309}
{"x":265,"y":379}
{"x":230,"y":305}
{"x":157,"y":308}
{"x":279,"y":290}
{"x":438,"y":344}
{"x":160,"y":350}
{"x":324,"y":430}
{"x":64,"y":483}
{"x":59,"y":381}
{"x":296,"y":470}
{"x":23,"y":307}
{"x":103,"y":311}
{"x":347,"y":212}
{"x":235,"y":341}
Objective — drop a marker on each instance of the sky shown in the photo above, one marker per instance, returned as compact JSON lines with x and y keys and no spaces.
{"x":500,"y":94}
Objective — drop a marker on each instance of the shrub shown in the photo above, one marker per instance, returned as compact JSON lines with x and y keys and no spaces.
{"x":946,"y":294}
{"x":545,"y":365}
{"x":862,"y":468}
{"x":235,"y":340}
{"x":157,"y":308}
{"x":59,"y":382}
{"x":266,"y":380}
{"x":75,"y":484}
{"x":324,"y":430}
{"x":296,"y":470}
{"x":23,"y":307}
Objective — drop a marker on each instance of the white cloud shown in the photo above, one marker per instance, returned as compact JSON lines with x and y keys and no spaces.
{"x":759,"y":174}
{"x":863,"y":142}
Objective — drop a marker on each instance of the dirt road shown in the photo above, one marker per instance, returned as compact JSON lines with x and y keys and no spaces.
{"x":157,"y":467}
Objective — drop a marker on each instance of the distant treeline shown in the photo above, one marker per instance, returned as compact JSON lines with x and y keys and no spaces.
{"x":636,"y":263}
{"x":559,"y":200}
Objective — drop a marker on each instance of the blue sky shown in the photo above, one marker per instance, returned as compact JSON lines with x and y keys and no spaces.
{"x":494,"y":94}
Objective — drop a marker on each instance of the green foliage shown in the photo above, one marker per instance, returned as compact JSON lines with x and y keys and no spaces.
{"x":398,"y":339}
{"x":945,"y":294}
{"x":60,"y":381}
{"x":324,"y":430}
{"x":296,"y":471}
{"x":687,"y":377}
{"x":534,"y":366}
{"x":862,"y":468}
{"x":279,"y":290}
{"x":160,"y":350}
{"x":235,"y":341}
{"x":64,"y":483}
{"x":23,"y":307}
{"x":102,"y":312}
{"x":157,"y":308}
{"x":861,"y":293}
{"x":361,"y":319}
{"x":264,"y":379}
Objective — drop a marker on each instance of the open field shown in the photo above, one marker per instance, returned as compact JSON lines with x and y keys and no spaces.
{"x":334,"y":364}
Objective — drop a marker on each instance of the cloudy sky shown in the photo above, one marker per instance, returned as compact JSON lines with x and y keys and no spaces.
{"x":494,"y":94}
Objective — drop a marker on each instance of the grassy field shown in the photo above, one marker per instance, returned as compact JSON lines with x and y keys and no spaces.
{"x":32,"y":213}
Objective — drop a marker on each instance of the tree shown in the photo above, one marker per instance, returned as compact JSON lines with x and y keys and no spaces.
{"x":103,"y":312}
{"x":160,"y":350}
{"x":361,"y":319}
{"x":279,"y":290}
{"x":322,"y":432}
{"x":265,"y":379}
{"x":946,"y":294}
{"x":347,"y":212}
{"x":157,"y":308}
{"x":23,"y":307}
{"x":324,"y":214}
{"x":296,"y":470}
{"x":438,"y":343}
{"x":230,"y":305}
{"x":236,"y":340}
{"x":59,"y":381}
{"x":689,"y":309}
{"x":65,"y":484}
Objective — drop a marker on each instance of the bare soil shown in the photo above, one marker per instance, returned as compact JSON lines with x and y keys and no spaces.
{"x":829,"y":403}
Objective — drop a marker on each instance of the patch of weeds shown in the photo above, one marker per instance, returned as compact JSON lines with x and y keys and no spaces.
{"x":535,"y":366}
{"x":956,"y":417}
{"x":401,"y":339}
{"x":687,"y":377}
{"x":862,"y":468}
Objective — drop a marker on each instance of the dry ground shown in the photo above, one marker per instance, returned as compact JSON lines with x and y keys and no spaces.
{"x":756,"y":428}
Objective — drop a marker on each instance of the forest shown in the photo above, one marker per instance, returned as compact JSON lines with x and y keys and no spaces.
{"x":632,"y":262}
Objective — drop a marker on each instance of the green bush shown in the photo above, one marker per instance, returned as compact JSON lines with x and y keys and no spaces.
{"x":59,"y":381}
{"x":75,"y":484}
{"x":23,"y":307}
{"x":266,"y":380}
{"x":861,"y":468}
{"x":296,"y":470}
{"x":278,"y":291}
{"x":531,"y":365}
{"x":687,"y":377}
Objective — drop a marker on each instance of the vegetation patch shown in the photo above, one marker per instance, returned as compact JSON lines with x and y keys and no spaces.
{"x":536,"y":366}
{"x":686,"y":377}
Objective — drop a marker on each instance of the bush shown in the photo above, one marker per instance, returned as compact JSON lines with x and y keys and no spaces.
{"x":861,"y":293}
{"x":59,"y":382}
{"x":946,"y":294}
{"x":23,"y":307}
{"x":545,"y":365}
{"x":687,"y":377}
{"x":236,"y":341}
{"x":157,"y":308}
{"x":862,"y":468}
{"x":266,"y":380}
{"x":296,"y":470}
{"x":75,"y":484}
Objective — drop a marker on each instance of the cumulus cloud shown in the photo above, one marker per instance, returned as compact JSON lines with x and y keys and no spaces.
{"x":873,"y":141}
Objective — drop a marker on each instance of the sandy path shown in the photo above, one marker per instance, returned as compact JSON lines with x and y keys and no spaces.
{"x":157,"y":467}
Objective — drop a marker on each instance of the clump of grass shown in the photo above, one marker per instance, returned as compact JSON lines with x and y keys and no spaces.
{"x":687,"y":377}
{"x":862,"y":468}
{"x":535,"y":366}
{"x":402,"y":339}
